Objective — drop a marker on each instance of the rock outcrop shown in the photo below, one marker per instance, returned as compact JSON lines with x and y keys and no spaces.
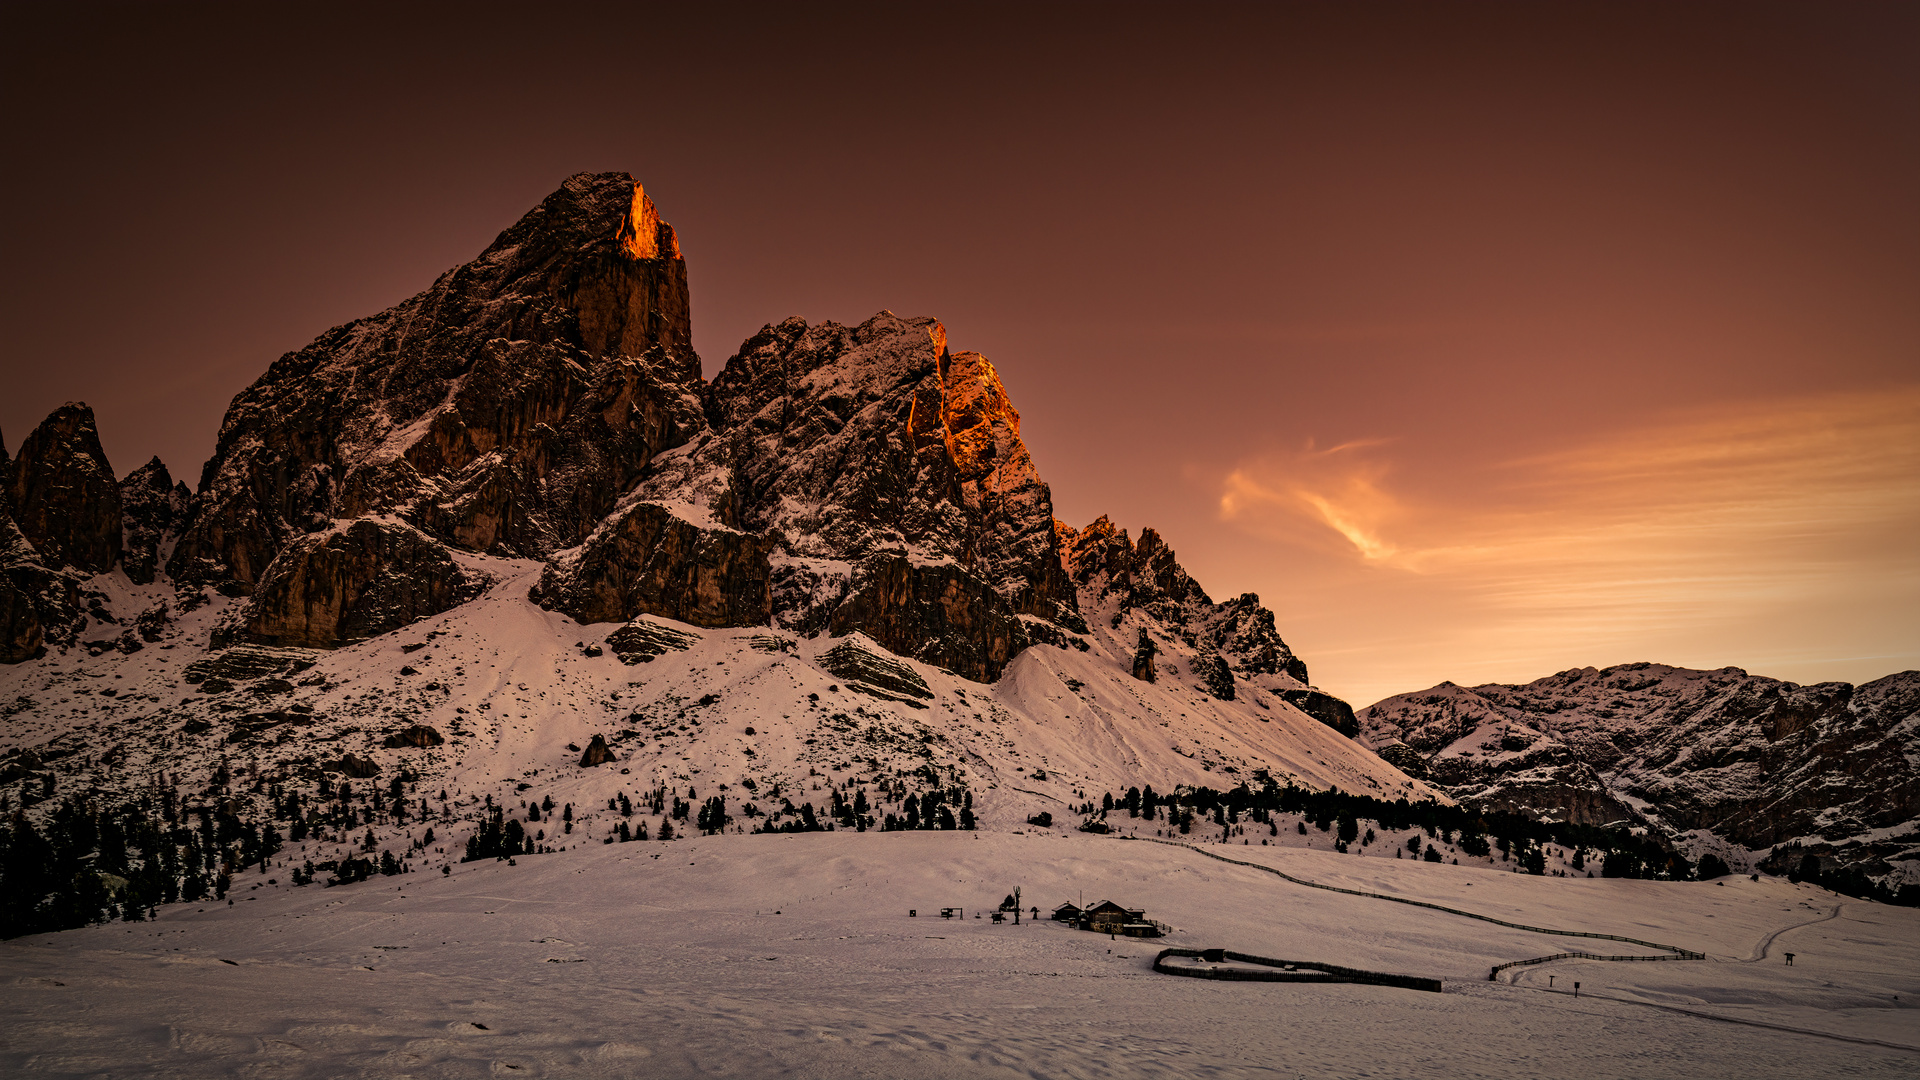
{"x":418,"y":736}
{"x":1143,"y":655}
{"x":641,"y":640}
{"x":353,"y":765}
{"x":38,"y":604}
{"x":23,"y":587}
{"x":939,"y":614}
{"x":870,"y":671}
{"x":1758,"y":762}
{"x":354,"y":582}
{"x":152,"y":509}
{"x":1327,"y":709}
{"x":596,"y":753}
{"x":1112,"y":571}
{"x":647,"y":560}
{"x":1217,"y":674}
{"x":62,"y":493}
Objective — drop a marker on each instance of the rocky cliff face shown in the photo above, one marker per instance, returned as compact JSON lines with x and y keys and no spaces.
{"x":1754,"y":761}
{"x":892,"y":474}
{"x":1223,"y":646}
{"x":59,"y":522}
{"x":62,"y":493}
{"x":504,"y":409}
{"x":1234,"y":638}
{"x":152,"y":510}
{"x":645,"y":559}
{"x":29,"y":594}
{"x":544,"y":401}
{"x":357,"y":581}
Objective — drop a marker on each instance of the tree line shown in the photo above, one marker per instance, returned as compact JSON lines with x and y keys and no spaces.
{"x":1618,"y":852}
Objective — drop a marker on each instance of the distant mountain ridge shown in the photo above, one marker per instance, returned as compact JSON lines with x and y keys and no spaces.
{"x":1718,"y":760}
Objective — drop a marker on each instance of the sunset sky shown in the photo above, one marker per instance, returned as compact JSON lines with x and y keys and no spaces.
{"x":1481,"y":341}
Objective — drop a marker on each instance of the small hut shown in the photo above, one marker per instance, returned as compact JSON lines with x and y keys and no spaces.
{"x":1066,"y":913}
{"x":1107,"y":917}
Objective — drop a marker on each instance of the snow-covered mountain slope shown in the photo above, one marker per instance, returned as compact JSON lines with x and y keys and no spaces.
{"x":514,"y":693}
{"x":779,"y":956}
{"x":1749,"y":767}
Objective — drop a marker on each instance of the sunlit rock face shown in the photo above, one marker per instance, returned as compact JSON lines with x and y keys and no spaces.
{"x":544,"y":401}
{"x":892,"y":474}
{"x":504,"y":409}
{"x":1759,"y":762}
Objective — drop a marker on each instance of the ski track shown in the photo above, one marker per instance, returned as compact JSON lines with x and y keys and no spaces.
{"x":1766,"y":943}
{"x":1732,"y":1019}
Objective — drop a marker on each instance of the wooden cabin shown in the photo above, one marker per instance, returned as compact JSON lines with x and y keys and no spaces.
{"x":1107,"y":917}
{"x":1066,"y":913}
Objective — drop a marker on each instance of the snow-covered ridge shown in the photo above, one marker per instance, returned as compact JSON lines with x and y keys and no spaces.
{"x":1753,"y":768}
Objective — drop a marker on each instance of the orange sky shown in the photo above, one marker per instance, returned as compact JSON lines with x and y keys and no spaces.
{"x":1481,"y":340}
{"x":1777,"y":535}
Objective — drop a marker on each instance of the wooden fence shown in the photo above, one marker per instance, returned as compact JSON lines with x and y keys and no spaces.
{"x":1330,"y":973}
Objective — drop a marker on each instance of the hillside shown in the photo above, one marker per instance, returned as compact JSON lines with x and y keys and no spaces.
{"x":1761,"y":772}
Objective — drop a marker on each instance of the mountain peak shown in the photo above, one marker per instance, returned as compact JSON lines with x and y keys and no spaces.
{"x":642,"y":234}
{"x":503,"y":410}
{"x":63,"y":493}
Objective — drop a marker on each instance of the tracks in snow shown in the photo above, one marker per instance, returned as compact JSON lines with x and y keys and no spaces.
{"x":1676,"y":952}
{"x":1760,"y":950}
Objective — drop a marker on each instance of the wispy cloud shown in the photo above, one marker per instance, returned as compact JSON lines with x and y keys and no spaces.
{"x":1341,"y":487}
{"x":1698,"y":522}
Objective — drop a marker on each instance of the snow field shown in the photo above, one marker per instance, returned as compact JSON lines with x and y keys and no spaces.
{"x":670,"y":960}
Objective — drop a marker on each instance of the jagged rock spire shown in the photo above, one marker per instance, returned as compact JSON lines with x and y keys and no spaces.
{"x":504,"y":409}
{"x":152,"y":507}
{"x":63,"y":495}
